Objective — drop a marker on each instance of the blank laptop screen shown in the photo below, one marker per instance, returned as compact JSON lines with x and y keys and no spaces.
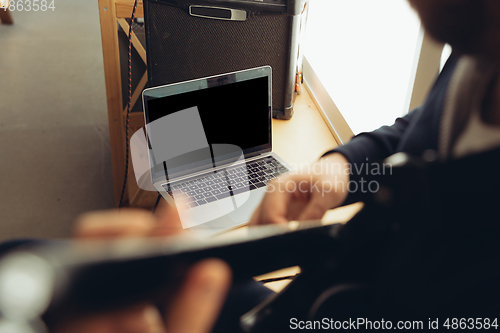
{"x":237,"y":113}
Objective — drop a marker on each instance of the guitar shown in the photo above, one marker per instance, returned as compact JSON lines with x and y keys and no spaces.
{"x":406,"y":253}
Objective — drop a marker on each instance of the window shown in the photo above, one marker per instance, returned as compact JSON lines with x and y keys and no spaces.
{"x":361,"y":61}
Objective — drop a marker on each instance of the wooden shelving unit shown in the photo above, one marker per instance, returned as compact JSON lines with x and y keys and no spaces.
{"x":113,"y":14}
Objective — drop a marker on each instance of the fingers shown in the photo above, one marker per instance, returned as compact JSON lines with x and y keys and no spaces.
{"x":284,"y":201}
{"x":315,"y":208}
{"x":299,"y":197}
{"x":138,"y":319}
{"x":141,"y":319}
{"x":128,"y":222}
{"x":200,"y":299}
{"x":169,"y":222}
{"x":194,"y":309}
{"x":115,"y":223}
{"x":272,"y":209}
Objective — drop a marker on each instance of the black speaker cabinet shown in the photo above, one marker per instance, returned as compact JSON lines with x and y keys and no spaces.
{"x":189,"y":39}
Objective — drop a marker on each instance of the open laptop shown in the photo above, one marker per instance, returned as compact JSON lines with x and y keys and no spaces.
{"x":210,"y":148}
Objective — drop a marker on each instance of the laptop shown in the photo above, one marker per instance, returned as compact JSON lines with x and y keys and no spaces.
{"x":210,"y":147}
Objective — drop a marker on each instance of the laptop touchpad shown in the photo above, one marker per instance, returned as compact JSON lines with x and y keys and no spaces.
{"x":217,"y":225}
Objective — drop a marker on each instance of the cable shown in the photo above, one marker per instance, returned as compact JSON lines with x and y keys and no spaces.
{"x":127,"y":145}
{"x":156,"y":203}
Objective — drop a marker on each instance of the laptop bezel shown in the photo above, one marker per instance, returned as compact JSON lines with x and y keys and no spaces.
{"x":206,"y":83}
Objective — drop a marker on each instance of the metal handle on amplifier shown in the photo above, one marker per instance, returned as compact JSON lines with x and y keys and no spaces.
{"x":218,"y":13}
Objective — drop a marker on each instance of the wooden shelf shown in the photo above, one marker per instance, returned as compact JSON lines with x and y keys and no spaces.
{"x":124,"y":9}
{"x":112,"y":14}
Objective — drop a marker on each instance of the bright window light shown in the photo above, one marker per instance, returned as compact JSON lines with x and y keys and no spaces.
{"x":363,"y":52}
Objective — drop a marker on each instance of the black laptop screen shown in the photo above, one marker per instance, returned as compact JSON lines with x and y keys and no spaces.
{"x":235,"y":113}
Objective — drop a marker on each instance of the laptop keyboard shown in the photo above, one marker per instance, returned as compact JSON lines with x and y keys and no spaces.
{"x":224,"y":183}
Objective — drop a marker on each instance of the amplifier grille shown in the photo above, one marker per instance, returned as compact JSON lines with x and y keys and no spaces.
{"x":182,"y":47}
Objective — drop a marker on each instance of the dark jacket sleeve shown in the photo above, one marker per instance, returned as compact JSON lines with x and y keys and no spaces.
{"x":414,"y":133}
{"x":368,"y":147}
{"x":376,"y":145}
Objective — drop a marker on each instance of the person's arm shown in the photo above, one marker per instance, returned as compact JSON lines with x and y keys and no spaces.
{"x":377,"y":144}
{"x":329,"y":189}
{"x":309,"y":193}
{"x":370,"y":147}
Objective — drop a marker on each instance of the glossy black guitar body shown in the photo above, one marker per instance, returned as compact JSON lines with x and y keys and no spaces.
{"x":425,"y":245}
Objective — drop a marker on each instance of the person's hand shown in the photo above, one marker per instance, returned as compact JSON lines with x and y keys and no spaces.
{"x":128,"y":222}
{"x":307,"y":194}
{"x":195,"y":307}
